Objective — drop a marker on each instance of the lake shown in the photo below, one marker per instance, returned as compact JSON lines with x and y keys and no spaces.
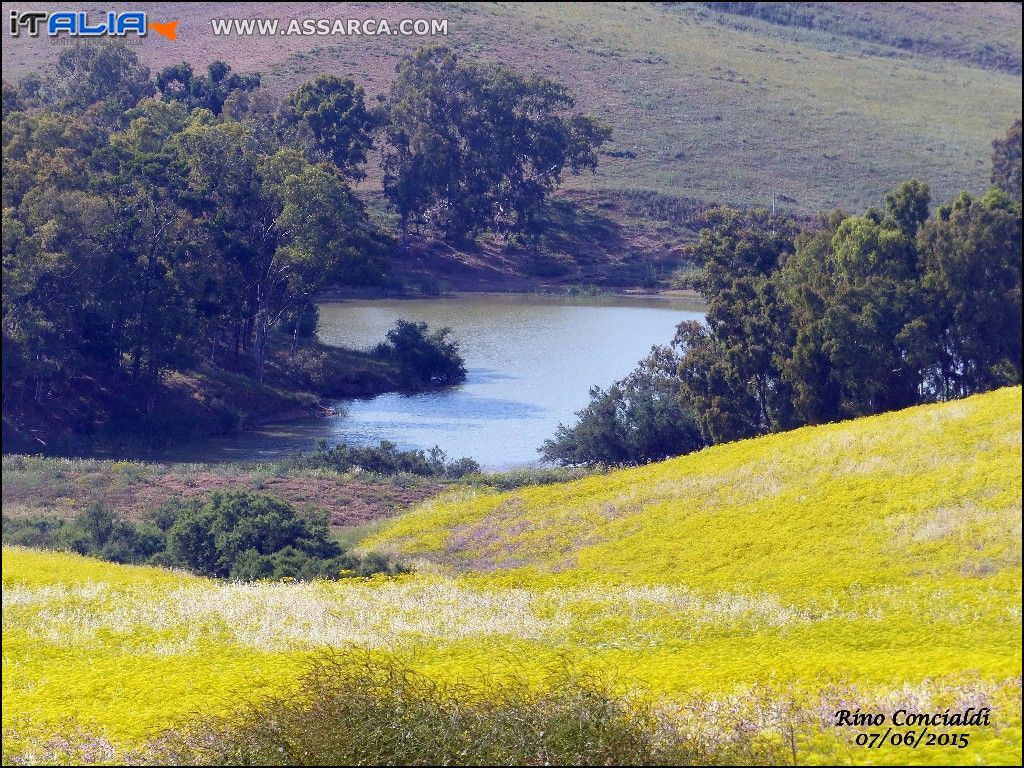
{"x":531,"y":361}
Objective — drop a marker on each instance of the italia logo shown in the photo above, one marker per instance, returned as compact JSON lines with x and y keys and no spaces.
{"x":84,"y":24}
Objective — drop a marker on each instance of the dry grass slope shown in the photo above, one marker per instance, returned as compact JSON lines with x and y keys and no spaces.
{"x":64,"y":488}
{"x":705,"y":105}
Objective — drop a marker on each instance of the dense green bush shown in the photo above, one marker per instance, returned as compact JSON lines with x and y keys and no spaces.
{"x":639,"y":419}
{"x":244,"y":535}
{"x":208,"y":539}
{"x":35,"y":531}
{"x":96,"y":531}
{"x":423,"y":356}
{"x":239,"y":535}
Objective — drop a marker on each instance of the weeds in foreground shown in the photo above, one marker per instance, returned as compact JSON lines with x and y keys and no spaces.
{"x":353,"y":708}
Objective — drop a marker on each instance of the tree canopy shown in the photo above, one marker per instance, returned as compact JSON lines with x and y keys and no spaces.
{"x":472,"y":147}
{"x":143,"y":235}
{"x":1006,"y":161}
{"x":178,"y":82}
{"x":154,"y":224}
{"x":335,"y":113}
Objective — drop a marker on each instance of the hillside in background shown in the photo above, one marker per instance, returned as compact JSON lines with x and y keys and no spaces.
{"x":986,"y":34}
{"x":875,"y":561}
{"x":818,"y":105}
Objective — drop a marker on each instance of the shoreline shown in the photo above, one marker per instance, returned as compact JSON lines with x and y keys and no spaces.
{"x":251,"y":418}
{"x":566,"y":292}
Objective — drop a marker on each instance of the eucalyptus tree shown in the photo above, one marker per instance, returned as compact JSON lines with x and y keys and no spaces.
{"x":471,"y":147}
{"x":334,"y":112}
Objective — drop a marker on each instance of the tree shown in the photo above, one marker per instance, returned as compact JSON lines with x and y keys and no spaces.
{"x":178,"y":82}
{"x":323,"y":234}
{"x":335,"y":113}
{"x":282,"y":226}
{"x":806,"y":365}
{"x":854,"y":290}
{"x":153,"y":242}
{"x":420,"y":161}
{"x":731,"y":372}
{"x":523,"y":137}
{"x":1006,"y":161}
{"x":971,"y":275}
{"x":639,"y":419}
{"x":53,"y":255}
{"x":100,"y":257}
{"x":108,"y":74}
{"x":476,"y":146}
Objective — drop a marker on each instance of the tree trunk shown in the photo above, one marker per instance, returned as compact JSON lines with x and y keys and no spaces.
{"x":404,"y":241}
{"x":260,"y":345}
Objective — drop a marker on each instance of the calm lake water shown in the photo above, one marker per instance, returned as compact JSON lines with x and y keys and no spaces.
{"x":531,"y":362}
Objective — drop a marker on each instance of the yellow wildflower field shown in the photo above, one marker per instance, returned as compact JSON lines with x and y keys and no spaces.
{"x":874,"y":563}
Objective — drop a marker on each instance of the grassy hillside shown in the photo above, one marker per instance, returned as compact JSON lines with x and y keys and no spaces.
{"x":825,"y":105}
{"x":983,"y":34}
{"x":880,"y":500}
{"x":874,"y":562}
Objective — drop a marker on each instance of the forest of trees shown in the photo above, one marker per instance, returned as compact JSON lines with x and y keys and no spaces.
{"x":853,"y":316}
{"x":170,"y":222}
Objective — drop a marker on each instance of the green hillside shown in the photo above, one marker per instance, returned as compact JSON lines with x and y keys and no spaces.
{"x":706,"y":104}
{"x":876,"y":561}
